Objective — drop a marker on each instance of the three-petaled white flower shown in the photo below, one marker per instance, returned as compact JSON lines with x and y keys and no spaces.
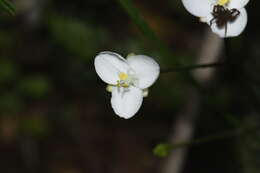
{"x":227,"y":18}
{"x":128,"y":79}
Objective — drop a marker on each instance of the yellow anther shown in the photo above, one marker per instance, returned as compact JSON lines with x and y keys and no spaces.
{"x":145,"y":92}
{"x":130,"y":54}
{"x":109,"y":88}
{"x":123,"y":76}
{"x":223,"y":2}
{"x":118,"y":83}
{"x":125,"y":85}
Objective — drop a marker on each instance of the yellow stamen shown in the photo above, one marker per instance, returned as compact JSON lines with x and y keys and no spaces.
{"x":118,"y":84}
{"x":125,"y":85}
{"x":223,"y":2}
{"x":130,"y":54}
{"x":145,"y":92}
{"x":109,"y":88}
{"x":123,"y":76}
{"x":124,"y":80}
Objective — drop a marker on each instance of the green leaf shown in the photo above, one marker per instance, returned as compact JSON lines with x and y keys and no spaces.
{"x":8,"y":6}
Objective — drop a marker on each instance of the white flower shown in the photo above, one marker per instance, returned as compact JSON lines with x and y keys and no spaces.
{"x":232,"y":16}
{"x":127,"y":79}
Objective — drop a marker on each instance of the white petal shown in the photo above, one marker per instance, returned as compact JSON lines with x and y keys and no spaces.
{"x":237,"y":4}
{"x":108,"y":65}
{"x":233,"y":29}
{"x":199,"y":8}
{"x":146,"y":69}
{"x":126,"y":101}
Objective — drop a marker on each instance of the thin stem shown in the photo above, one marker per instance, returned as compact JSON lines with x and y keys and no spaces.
{"x":220,"y":136}
{"x":191,"y":67}
{"x":163,"y":150}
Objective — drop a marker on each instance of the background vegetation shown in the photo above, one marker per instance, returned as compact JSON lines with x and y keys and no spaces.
{"x":55,"y":115}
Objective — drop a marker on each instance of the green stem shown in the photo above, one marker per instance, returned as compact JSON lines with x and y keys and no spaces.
{"x":191,"y":67}
{"x":220,"y":136}
{"x":138,"y":19}
{"x":163,"y":150}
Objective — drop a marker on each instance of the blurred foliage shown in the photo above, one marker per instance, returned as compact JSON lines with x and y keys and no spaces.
{"x":34,"y":86}
{"x":146,"y":29}
{"x":7,"y":6}
{"x":77,"y":37}
{"x":248,"y":146}
{"x":34,"y":126}
{"x":51,"y":95}
{"x":8,"y":71}
{"x":162,"y":150}
{"x":6,"y":41}
{"x":10,"y":103}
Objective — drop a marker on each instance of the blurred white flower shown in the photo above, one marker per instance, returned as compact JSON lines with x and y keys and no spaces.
{"x":128,"y":79}
{"x":227,"y":18}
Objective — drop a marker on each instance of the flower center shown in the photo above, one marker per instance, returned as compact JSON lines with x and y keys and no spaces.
{"x":125,"y":80}
{"x":223,"y":2}
{"x":123,"y":76}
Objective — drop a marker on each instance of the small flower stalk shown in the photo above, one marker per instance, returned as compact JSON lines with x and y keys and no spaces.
{"x":128,"y":79}
{"x":227,"y":18}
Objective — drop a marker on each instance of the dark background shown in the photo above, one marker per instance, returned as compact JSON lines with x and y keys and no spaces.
{"x":55,"y":114}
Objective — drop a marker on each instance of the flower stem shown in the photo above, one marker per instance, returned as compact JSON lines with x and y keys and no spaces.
{"x":191,"y":67}
{"x":163,"y":150}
